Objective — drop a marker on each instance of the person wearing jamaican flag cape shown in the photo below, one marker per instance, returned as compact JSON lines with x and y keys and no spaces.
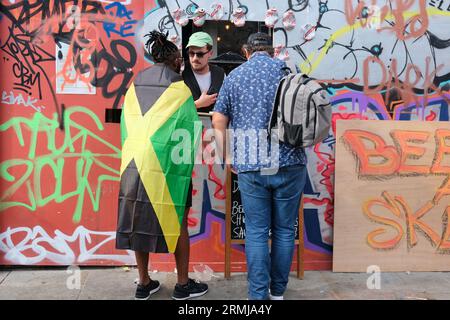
{"x":155,"y":173}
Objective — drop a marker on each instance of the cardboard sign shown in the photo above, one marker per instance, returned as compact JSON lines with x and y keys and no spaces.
{"x":392,"y":196}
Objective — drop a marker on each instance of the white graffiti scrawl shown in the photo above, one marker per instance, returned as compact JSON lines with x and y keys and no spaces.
{"x":39,"y":241}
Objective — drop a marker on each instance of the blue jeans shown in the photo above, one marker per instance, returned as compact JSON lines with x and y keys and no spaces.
{"x":270,"y":202}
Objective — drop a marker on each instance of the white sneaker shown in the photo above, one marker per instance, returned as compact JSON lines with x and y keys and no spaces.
{"x":309,"y":31}
{"x":289,"y":20}
{"x":180,"y":17}
{"x":281,"y":52}
{"x":216,"y":11}
{"x":238,"y":17}
{"x":199,"y":17}
{"x":271,"y":18}
{"x":271,"y":297}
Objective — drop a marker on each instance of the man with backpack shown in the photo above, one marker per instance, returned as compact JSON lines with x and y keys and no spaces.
{"x":271,"y":198}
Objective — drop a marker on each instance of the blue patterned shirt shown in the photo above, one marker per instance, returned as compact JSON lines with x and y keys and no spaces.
{"x":246,"y":98}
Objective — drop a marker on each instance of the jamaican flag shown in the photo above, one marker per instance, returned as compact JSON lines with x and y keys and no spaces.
{"x":154,"y":173}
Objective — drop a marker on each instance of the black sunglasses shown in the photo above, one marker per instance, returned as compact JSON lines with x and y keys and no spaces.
{"x":198,"y":54}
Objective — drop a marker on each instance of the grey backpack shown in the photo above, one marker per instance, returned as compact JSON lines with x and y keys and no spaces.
{"x":301,"y":111}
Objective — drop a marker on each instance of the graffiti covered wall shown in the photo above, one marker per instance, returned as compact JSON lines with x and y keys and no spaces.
{"x":65,"y":62}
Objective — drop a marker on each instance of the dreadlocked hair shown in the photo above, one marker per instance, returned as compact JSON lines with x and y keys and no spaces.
{"x":161,"y":49}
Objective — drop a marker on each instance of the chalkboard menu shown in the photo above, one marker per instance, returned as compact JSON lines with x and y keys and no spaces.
{"x":237,"y":212}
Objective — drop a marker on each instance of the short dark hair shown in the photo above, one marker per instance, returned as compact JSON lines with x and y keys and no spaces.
{"x":259,"y":41}
{"x":253,"y":49}
{"x":160,"y":48}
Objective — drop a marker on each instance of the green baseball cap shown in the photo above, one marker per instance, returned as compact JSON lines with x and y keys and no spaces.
{"x":199,"y":39}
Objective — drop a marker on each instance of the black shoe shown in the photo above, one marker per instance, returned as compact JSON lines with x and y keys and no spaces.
{"x":191,"y":289}
{"x":144,"y":292}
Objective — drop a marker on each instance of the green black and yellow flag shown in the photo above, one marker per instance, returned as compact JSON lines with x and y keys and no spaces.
{"x":154,"y":187}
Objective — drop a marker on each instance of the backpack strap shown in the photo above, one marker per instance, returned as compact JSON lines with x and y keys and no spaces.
{"x":286,"y":70}
{"x":276,"y":103}
{"x":273,"y":119}
{"x":289,"y":79}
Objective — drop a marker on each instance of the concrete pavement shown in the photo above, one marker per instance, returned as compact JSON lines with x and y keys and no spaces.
{"x":118,"y":284}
